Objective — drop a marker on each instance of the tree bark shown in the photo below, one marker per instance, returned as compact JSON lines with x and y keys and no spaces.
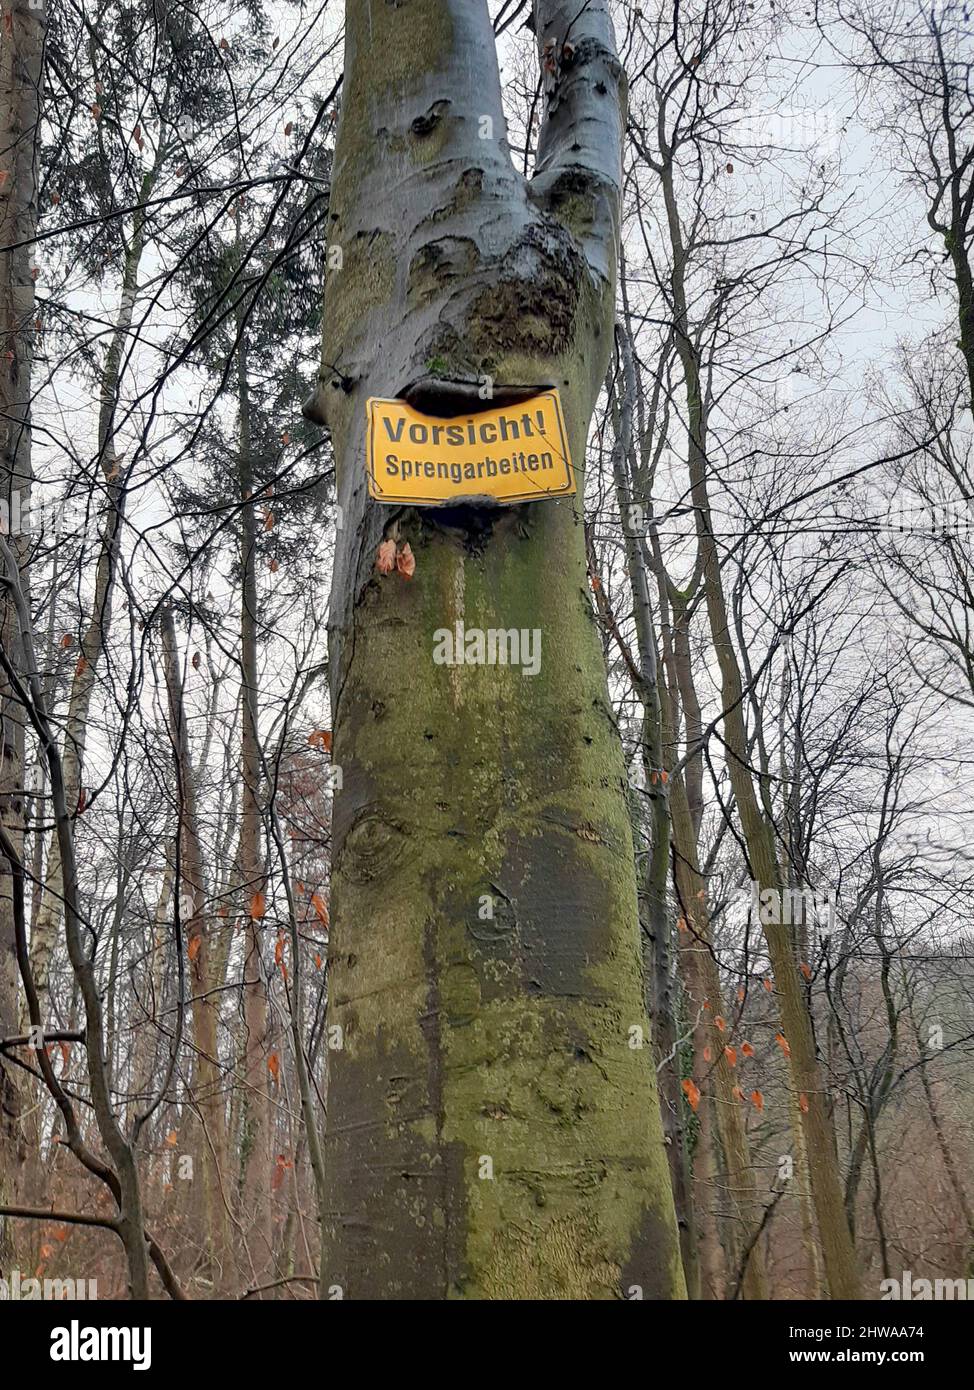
{"x":21,"y":81}
{"x":491,"y":1132}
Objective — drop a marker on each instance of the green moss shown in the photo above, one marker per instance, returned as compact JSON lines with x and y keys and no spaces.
{"x":534,"y":1072}
{"x":505,"y":1037}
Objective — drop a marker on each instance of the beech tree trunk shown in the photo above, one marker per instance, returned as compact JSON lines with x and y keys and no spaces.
{"x":492,"y":1130}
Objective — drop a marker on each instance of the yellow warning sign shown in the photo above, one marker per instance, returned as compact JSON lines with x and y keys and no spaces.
{"x":518,"y":453}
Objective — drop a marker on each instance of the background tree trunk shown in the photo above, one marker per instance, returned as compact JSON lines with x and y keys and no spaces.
{"x":191,"y":899}
{"x":255,"y":1133}
{"x":21,"y":75}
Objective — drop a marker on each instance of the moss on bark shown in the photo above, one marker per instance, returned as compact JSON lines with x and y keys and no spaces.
{"x":491,"y":1133}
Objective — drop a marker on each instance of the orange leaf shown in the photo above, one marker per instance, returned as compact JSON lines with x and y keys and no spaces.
{"x":274,"y":1065}
{"x":66,"y":640}
{"x":406,"y":562}
{"x":194,"y":947}
{"x":806,"y":969}
{"x":81,"y":667}
{"x":757,"y":1100}
{"x":740,"y":996}
{"x":385,"y":561}
{"x":782,"y":1042}
{"x":803,"y":1103}
{"x":268,"y":520}
{"x":318,"y":961}
{"x":273,"y":567}
{"x":320,"y":738}
{"x":747,"y":1049}
{"x":707,"y":1054}
{"x":692,"y":1093}
{"x":719,"y":1023}
{"x":681,"y":924}
{"x":767,"y":984}
{"x":60,"y":1233}
{"x":731,"y":1054}
{"x":171,"y":1138}
{"x":321,"y":907}
{"x":257,"y":907}
{"x":47,"y":1251}
{"x":279,"y":951}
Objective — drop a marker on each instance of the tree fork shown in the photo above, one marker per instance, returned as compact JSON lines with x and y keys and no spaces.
{"x":491,"y":1130}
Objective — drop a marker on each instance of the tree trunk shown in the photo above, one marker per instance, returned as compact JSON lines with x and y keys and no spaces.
{"x":146,"y":1035}
{"x":943,"y":1144}
{"x":656,"y":908}
{"x":190,"y":893}
{"x":698,"y":958}
{"x":705,"y":995}
{"x":491,"y":1132}
{"x":255,"y":1142}
{"x":758,"y":830}
{"x":21,"y":77}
